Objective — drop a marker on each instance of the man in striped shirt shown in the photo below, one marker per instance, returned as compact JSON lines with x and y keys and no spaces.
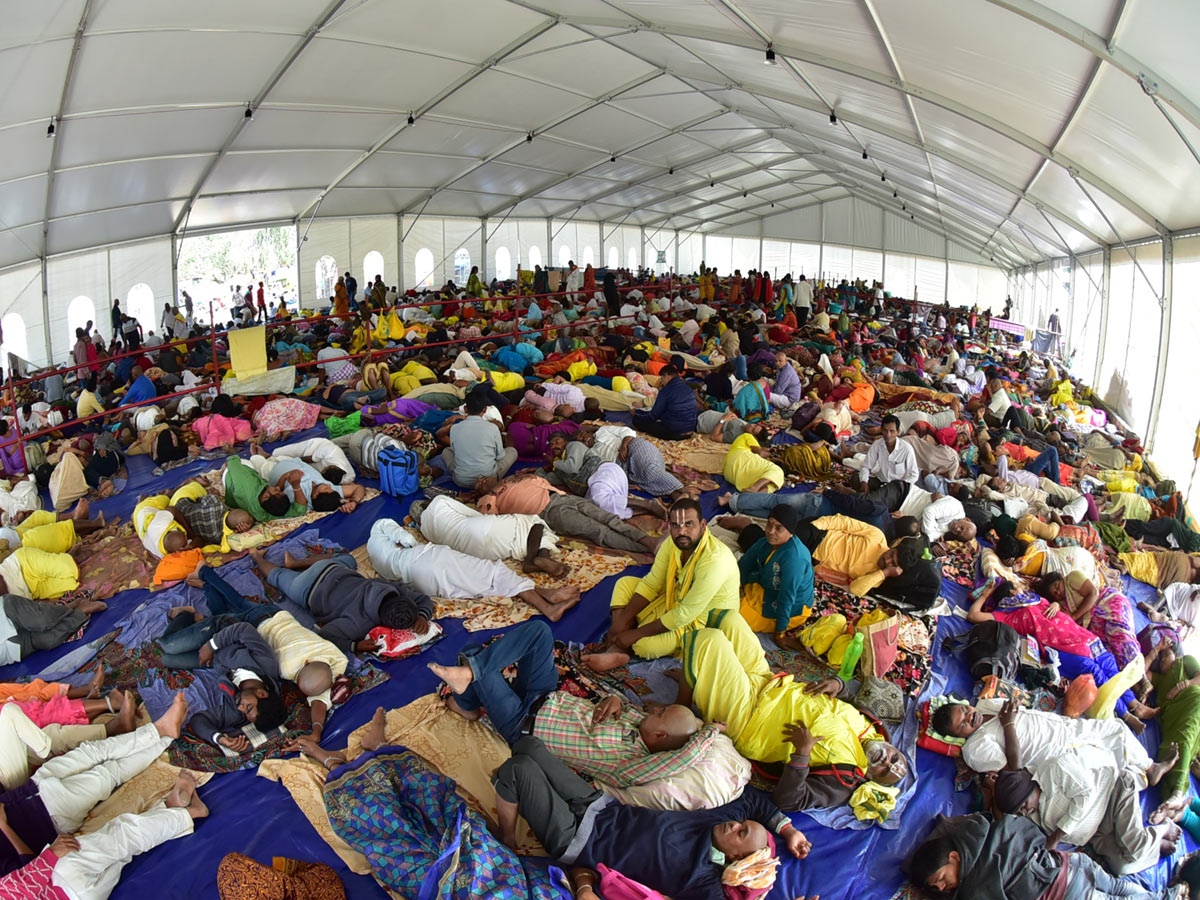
{"x":607,"y":741}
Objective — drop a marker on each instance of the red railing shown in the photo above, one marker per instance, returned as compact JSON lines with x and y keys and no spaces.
{"x":213,"y":335}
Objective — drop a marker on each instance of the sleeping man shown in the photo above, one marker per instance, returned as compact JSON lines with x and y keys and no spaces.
{"x":606,"y":741}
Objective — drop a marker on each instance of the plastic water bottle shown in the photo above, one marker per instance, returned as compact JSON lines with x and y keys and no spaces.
{"x":850,"y":658}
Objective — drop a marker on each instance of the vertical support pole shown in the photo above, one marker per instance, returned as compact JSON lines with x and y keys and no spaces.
{"x":212,"y":339}
{"x":1106,"y":288}
{"x":821,"y":243}
{"x":45,"y":316}
{"x":1164,"y":339}
{"x":549,"y":259}
{"x":483,"y":250}
{"x":402,"y":275}
{"x":299,"y":270}
{"x":675,"y":267}
{"x":174,"y":278}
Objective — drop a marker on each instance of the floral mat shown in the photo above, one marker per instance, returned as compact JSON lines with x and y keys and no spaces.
{"x":589,"y":566}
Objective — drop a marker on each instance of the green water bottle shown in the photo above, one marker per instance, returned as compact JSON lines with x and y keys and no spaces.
{"x":850,"y":659}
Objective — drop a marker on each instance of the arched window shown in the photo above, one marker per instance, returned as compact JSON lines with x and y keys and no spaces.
{"x":503,"y":264}
{"x":462,"y":266}
{"x":13,"y":338}
{"x":589,"y":258}
{"x":327,"y":276}
{"x":535,"y":256}
{"x":614,"y":258}
{"x":632,"y":255}
{"x":139,"y":303}
{"x":372,"y":266}
{"x":79,"y":313}
{"x":564,"y":255}
{"x":423,"y":268}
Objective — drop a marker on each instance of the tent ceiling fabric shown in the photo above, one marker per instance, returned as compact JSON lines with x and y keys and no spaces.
{"x":1021,"y":130}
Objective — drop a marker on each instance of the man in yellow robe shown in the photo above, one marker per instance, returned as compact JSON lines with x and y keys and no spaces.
{"x":694,"y":577}
{"x":826,"y":752}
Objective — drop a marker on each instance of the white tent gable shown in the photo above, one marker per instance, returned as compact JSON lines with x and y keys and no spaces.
{"x":1018,"y":130}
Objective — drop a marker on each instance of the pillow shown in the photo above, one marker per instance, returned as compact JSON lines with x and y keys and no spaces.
{"x":399,"y":643}
{"x":928,"y":739}
{"x":717,"y":778}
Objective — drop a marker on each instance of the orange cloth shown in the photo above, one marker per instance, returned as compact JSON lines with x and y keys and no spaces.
{"x":177,"y":566}
{"x":861,"y":397}
{"x":35,"y":690}
{"x":527,"y":496}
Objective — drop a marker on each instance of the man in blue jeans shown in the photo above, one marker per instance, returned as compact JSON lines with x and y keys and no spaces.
{"x":586,"y":742}
{"x":807,"y":505}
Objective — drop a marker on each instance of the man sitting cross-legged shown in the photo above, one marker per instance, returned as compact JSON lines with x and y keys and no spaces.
{"x":63,"y":791}
{"x":303,"y":656}
{"x":605,"y":741}
{"x":441,"y":571}
{"x":694,"y":575}
{"x":834,"y":749}
{"x":89,"y":866}
{"x":346,"y":604}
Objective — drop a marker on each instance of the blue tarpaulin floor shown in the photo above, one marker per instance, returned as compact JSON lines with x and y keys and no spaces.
{"x":257,"y":817}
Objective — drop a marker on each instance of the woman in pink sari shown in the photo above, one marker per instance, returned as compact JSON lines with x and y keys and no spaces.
{"x":217,"y":431}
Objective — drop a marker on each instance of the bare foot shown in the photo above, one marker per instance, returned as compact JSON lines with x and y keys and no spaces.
{"x":1170,"y":810}
{"x":258,"y":556}
{"x":182,"y":791}
{"x":127,"y":717}
{"x":97,"y":681}
{"x":458,"y":678}
{"x":1156,"y":771}
{"x":196,"y":809}
{"x":193,"y":577}
{"x":606,"y":661}
{"x":81,"y":510}
{"x":1142,"y":711}
{"x":116,"y":700}
{"x":533,"y":545}
{"x":546,"y":563}
{"x":556,"y":611}
{"x":170,"y":724}
{"x":101,"y":522}
{"x":723,"y":500}
{"x":1136,"y":725}
{"x":374,"y":737}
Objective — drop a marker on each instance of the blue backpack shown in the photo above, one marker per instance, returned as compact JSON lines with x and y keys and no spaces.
{"x":398,"y":471}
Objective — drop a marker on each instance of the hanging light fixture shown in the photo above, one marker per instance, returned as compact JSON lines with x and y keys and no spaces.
{"x":882,"y":176}
{"x":249,"y":114}
{"x":832,"y":117}
{"x":50,"y":130}
{"x":894,"y":194}
{"x":770,"y":60}
{"x":864,"y":154}
{"x":670,"y":170}
{"x":411,"y":119}
{"x":529,"y":137}
{"x":613,"y":158}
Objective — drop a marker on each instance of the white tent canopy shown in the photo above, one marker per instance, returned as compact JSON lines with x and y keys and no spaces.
{"x":1021,"y":131}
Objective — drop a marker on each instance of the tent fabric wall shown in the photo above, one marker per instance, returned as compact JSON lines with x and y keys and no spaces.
{"x":324,"y":237}
{"x":1180,"y":419}
{"x":378,"y":234}
{"x":21,"y":314}
{"x":802,"y":224}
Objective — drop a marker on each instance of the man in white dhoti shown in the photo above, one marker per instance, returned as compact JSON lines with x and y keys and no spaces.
{"x":1037,"y":738}
{"x":512,"y":536}
{"x":321,"y":453}
{"x":441,"y":571}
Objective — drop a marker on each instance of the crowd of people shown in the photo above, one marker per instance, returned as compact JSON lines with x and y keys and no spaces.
{"x":866,"y":443}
